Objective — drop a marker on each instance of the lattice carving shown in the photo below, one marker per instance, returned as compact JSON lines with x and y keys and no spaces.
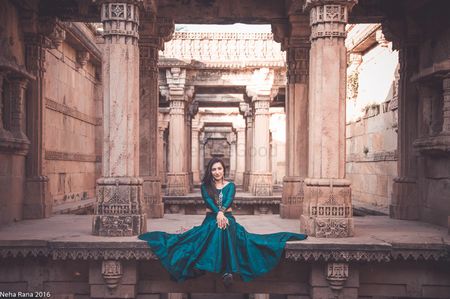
{"x":120,"y":20}
{"x":337,"y":274}
{"x":332,"y":227}
{"x":119,"y":210}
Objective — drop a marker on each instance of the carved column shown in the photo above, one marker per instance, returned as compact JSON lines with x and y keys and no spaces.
{"x":120,"y":209}
{"x":161,"y":151}
{"x":246,"y":110}
{"x":177,"y":176}
{"x":405,"y":193}
{"x":149,"y":45}
{"x":37,"y":201}
{"x":260,"y":90}
{"x":446,"y":106}
{"x":297,"y":50}
{"x":202,"y":153}
{"x":327,"y":208}
{"x":196,"y":152}
{"x":232,"y":173}
{"x":190,"y":114}
{"x":240,"y":155}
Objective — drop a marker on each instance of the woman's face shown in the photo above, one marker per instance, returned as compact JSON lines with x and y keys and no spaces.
{"x":217,"y":171}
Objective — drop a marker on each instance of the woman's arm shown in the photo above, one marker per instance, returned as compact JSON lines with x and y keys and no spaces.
{"x":208,"y":200}
{"x":228,"y":197}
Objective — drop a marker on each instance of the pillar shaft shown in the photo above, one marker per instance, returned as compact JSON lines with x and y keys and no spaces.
{"x":405,"y":196}
{"x":120,"y":208}
{"x":233,"y":158}
{"x":148,"y":114}
{"x":446,"y":106}
{"x":248,"y":150}
{"x":327,"y":199}
{"x":240,"y":155}
{"x":177,"y":176}
{"x":260,"y":181}
{"x":37,"y":201}
{"x":298,"y":48}
{"x":196,"y":154}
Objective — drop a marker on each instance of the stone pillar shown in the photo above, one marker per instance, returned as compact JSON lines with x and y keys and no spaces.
{"x":161,"y":152}
{"x":327,"y":207}
{"x":405,"y":193}
{"x":202,"y":153}
{"x":37,"y":202}
{"x":120,"y":209}
{"x":240,"y":156}
{"x":149,"y":45}
{"x":191,"y":112}
{"x":297,"y":49}
{"x":260,"y":91}
{"x":233,"y":156}
{"x":18,"y":86}
{"x":177,"y":176}
{"x":196,"y":152}
{"x":446,"y":106}
{"x":246,"y":110}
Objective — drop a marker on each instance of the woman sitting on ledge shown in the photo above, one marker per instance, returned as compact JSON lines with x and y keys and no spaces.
{"x":219,"y":244}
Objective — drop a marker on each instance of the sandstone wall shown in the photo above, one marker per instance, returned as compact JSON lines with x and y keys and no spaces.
{"x":371,"y":135}
{"x":73,"y":115}
{"x":12,"y":160}
{"x":432,"y":144}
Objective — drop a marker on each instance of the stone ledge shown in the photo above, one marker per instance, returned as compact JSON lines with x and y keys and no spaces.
{"x":296,"y":251}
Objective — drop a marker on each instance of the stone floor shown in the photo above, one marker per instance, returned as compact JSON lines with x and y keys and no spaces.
{"x":373,"y":230}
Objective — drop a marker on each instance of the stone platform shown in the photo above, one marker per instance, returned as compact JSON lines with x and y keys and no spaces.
{"x":386,"y":257}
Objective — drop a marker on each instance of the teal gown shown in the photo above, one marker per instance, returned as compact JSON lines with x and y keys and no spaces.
{"x":209,"y":248}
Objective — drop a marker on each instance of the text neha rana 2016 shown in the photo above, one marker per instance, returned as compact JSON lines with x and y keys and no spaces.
{"x":24,"y":294}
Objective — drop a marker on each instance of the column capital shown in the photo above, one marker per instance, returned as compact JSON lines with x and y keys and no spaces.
{"x":309,"y":4}
{"x":120,"y":20}
{"x":328,"y":17}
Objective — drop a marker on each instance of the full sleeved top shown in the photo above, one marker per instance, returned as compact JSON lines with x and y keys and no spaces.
{"x":227,"y":196}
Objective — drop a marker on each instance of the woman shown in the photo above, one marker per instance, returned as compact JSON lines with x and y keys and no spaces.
{"x":219,"y":244}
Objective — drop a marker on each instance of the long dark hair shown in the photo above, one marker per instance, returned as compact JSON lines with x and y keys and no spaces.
{"x":208,"y":179}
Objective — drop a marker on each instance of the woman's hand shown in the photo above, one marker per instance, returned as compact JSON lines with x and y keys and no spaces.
{"x":222,"y":220}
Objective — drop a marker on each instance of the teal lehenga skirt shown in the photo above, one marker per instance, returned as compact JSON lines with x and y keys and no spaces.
{"x":209,"y":248}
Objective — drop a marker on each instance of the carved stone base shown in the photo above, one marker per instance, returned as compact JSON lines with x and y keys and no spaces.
{"x":291,"y":206}
{"x":113,"y":279}
{"x":327,"y":208}
{"x":260,"y":184}
{"x":154,"y":206}
{"x":38,"y":201}
{"x":120,"y":209}
{"x":245,"y":181}
{"x":405,"y":199}
{"x":177,"y":184}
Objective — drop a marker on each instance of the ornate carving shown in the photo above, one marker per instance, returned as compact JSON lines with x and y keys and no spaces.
{"x":137,"y":250}
{"x":327,"y":19}
{"x":298,"y":63}
{"x":337,"y":274}
{"x":54,"y":30}
{"x":82,"y":58}
{"x":112,"y":273}
{"x":332,"y":227}
{"x":120,"y":207}
{"x":120,"y":20}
